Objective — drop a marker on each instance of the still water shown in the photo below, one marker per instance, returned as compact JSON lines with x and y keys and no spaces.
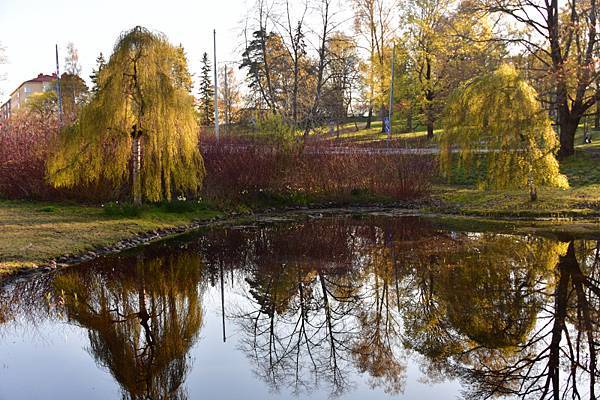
{"x":369,"y":307}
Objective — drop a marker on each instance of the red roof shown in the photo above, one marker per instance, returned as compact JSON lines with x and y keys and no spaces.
{"x":43,"y":78}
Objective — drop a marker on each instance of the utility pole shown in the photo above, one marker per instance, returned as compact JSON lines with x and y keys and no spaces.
{"x":222,"y":300}
{"x":58,"y":89}
{"x":227,"y":101}
{"x":216,"y":101}
{"x":391,"y":107}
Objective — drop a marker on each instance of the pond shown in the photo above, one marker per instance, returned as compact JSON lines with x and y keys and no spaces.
{"x":348,"y":307}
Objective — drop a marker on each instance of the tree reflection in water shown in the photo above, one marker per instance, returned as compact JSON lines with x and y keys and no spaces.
{"x":142,"y":319}
{"x":330,"y":297}
{"x":506,"y":324}
{"x":319,"y":302}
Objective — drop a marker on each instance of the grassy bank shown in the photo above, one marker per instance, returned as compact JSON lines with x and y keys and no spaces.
{"x":581,"y":200}
{"x":33,"y":233}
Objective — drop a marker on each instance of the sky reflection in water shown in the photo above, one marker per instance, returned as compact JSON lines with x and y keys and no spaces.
{"x":355,"y":308}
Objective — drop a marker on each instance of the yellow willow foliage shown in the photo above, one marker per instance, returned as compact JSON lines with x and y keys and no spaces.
{"x":145,"y":84}
{"x":499,"y":112}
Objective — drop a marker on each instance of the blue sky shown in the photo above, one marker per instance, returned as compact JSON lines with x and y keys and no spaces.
{"x":29,"y":29}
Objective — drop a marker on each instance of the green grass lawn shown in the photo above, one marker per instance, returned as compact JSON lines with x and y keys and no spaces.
{"x":594,"y":146}
{"x":418,"y":138}
{"x":364,"y":136}
{"x":580,"y":202}
{"x":582,"y":199}
{"x":33,"y":233}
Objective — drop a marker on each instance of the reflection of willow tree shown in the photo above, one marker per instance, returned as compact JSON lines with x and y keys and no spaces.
{"x":378,"y":343}
{"x":26,"y":302}
{"x":520,"y":321}
{"x":142,"y":319}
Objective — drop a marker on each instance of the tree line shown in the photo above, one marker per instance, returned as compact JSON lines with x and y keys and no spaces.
{"x":314,"y":62}
{"x":317,"y":62}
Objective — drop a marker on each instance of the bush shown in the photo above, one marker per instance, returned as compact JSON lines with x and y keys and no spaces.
{"x":241,"y":170}
{"x":116,"y":209}
{"x":26,"y":141}
{"x":24,"y":146}
{"x":182,"y":206}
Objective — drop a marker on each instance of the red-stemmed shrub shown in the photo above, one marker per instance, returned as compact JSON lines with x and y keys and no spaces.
{"x":26,"y":142}
{"x":24,"y":145}
{"x":236,"y":168}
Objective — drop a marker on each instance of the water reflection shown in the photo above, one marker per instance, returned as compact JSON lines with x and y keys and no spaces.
{"x":142,"y":318}
{"x":544,"y":339}
{"x":326,"y":304}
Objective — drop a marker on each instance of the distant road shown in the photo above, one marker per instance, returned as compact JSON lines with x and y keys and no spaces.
{"x":345,"y":149}
{"x":372,"y":150}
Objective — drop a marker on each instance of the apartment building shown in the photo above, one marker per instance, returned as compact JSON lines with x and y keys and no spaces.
{"x":18,"y":97}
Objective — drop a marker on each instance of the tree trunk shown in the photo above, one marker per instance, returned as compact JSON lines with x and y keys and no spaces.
{"x":369,"y":117}
{"x":568,"y":127}
{"x":532,"y":193}
{"x":429,"y":100}
{"x":295,"y":91}
{"x":136,"y":187}
{"x":429,"y":129}
{"x":321,"y":68}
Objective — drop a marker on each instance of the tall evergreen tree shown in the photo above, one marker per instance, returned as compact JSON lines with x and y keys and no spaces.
{"x":100,"y":63}
{"x":206,"y":93}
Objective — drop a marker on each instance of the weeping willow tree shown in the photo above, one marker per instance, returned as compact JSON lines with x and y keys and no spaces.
{"x":140,"y":128}
{"x":499,"y":113}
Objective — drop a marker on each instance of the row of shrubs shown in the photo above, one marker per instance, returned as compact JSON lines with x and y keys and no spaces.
{"x":237,"y":170}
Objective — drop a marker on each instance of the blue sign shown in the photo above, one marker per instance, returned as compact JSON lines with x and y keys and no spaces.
{"x":386,"y":124}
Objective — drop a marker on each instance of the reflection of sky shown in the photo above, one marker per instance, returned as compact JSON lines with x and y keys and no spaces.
{"x":52,"y":362}
{"x":220,"y":371}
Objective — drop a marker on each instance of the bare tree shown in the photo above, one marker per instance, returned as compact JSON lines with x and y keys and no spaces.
{"x":3,"y":60}
{"x":564,"y":43}
{"x":72,"y":65}
{"x":294,"y":41}
{"x":374,"y":22}
{"x":329,"y":25}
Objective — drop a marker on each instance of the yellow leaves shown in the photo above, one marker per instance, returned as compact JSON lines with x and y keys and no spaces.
{"x":498,"y":117}
{"x":99,"y":146}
